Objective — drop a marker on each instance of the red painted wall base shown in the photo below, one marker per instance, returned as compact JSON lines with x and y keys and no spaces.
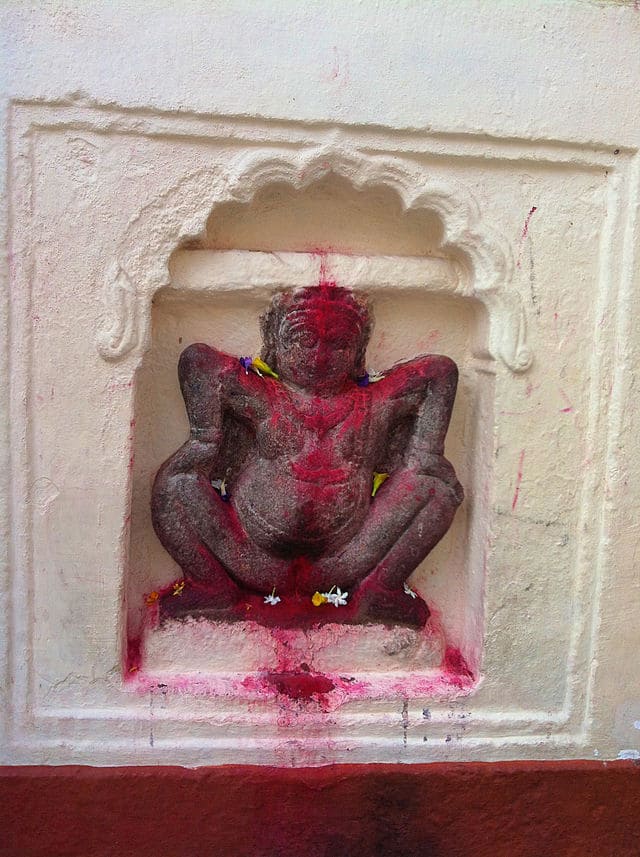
{"x":514,"y":809}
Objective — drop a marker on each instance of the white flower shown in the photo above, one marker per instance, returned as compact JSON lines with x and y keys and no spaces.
{"x":337,"y":598}
{"x":375,"y":376}
{"x":272,"y":599}
{"x":409,"y":591}
{"x":221,"y":486}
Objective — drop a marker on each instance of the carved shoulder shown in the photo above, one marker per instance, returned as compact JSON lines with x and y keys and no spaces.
{"x":200,"y":360}
{"x":200,"y":371}
{"x":213,"y":383}
{"x":414,"y":377}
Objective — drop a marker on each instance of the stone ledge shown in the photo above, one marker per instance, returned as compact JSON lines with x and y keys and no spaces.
{"x":209,"y":647}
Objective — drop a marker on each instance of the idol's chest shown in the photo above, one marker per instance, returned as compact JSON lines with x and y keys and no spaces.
{"x":297,"y":426}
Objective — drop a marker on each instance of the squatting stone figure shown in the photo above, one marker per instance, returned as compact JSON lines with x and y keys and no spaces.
{"x":273,"y":494}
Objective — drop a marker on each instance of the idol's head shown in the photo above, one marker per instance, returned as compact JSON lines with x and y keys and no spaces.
{"x":316,"y":338}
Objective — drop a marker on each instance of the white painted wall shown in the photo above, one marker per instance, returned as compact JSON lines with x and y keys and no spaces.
{"x":126,"y":125}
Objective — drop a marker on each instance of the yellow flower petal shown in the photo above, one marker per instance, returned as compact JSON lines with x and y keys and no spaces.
{"x":318,"y":599}
{"x":262,"y":367}
{"x":378,"y":479}
{"x":177,"y":588}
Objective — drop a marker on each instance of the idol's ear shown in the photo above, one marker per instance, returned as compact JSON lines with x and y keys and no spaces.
{"x":270,"y":323}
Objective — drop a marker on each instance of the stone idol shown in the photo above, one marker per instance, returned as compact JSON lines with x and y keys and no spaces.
{"x":308,"y":490}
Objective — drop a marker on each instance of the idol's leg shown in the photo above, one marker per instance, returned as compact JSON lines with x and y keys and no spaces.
{"x":407,"y":518}
{"x":409,"y":515}
{"x":205,"y":537}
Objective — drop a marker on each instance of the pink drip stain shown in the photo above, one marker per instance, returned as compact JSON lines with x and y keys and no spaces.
{"x":339,"y":73}
{"x":300,"y":685}
{"x":324,"y":280}
{"x":525,"y":232}
{"x":299,"y":691}
{"x":516,"y":493}
{"x":525,"y":228}
{"x":455,"y":665}
{"x":335,"y":70}
{"x":569,"y":407}
{"x":133,"y":658}
{"x":131,"y":441}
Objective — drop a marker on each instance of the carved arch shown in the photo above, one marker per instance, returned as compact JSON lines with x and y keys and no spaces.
{"x":141,"y":266}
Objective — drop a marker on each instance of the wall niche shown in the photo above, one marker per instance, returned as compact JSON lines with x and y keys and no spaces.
{"x":420,"y":291}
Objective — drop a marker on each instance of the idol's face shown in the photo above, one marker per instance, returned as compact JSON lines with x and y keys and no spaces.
{"x":318,"y":347}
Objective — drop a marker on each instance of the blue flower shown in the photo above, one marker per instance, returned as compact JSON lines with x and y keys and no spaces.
{"x":221,"y":486}
{"x":369,"y":377}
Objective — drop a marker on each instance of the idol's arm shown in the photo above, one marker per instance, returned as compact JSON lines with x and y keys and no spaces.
{"x":425,"y":386}
{"x":201,"y":372}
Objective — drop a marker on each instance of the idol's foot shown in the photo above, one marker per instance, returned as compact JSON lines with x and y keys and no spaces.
{"x":374,"y":603}
{"x":188,"y":598}
{"x":370,"y":603}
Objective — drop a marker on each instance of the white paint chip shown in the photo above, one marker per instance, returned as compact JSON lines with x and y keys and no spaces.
{"x":629,"y":754}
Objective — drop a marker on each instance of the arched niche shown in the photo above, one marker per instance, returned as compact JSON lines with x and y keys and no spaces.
{"x":202,"y":261}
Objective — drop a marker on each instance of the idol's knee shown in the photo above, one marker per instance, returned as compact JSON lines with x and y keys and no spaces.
{"x":439,"y":477}
{"x":160,"y":500}
{"x":441,"y":505}
{"x":170,"y":487}
{"x":168,"y":499}
{"x":448,"y":494}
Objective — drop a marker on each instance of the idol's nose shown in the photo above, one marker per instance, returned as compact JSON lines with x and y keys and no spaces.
{"x":325,"y":356}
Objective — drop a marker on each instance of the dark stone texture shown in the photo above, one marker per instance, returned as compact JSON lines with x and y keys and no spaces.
{"x":502,"y":809}
{"x":298,"y":454}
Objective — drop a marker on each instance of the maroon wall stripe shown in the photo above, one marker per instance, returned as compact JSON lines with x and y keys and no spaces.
{"x":512,"y":809}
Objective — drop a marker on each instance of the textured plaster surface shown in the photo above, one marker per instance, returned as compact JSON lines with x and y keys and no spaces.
{"x":475,"y":170}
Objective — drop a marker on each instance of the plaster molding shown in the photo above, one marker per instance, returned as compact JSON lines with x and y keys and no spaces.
{"x":93,"y":720}
{"x":118,"y":334}
{"x":182,"y":211}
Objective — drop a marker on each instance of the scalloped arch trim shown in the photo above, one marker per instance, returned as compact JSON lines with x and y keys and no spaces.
{"x":181,"y":212}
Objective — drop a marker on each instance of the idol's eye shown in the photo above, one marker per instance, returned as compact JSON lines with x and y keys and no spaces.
{"x":343,"y":346}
